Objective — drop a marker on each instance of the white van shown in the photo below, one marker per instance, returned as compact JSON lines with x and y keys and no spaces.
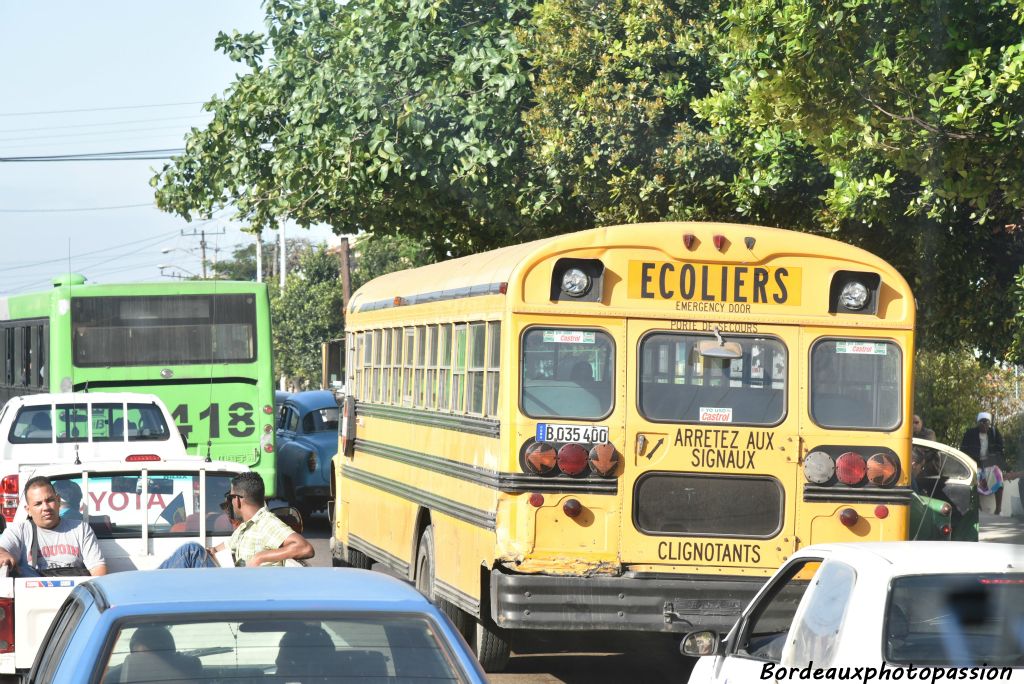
{"x":53,"y":428}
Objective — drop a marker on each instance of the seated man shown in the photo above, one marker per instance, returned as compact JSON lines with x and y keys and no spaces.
{"x":153,"y":656}
{"x":260,"y":539}
{"x":305,"y":651}
{"x":47,"y":544}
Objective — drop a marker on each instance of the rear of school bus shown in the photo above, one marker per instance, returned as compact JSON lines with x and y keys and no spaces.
{"x":753,"y":385}
{"x":639,"y":472}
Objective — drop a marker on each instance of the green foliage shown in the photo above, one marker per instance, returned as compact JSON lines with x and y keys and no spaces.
{"x":370,"y":115}
{"x":950,"y":388}
{"x":908,"y":114}
{"x":305,"y":314}
{"x":242,"y":264}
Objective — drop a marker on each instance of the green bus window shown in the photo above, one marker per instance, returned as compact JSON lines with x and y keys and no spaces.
{"x":419,"y":390}
{"x":385,"y":367}
{"x":163,"y":330}
{"x":475,"y":370}
{"x":459,"y":368}
{"x":431,"y":398}
{"x":444,"y":364}
{"x":493,"y":364}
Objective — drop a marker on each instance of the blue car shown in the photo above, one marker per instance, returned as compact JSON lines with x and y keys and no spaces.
{"x":307,"y":440}
{"x":248,"y":625}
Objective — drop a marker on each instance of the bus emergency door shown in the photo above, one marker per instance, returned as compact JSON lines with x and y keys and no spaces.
{"x":712,"y":448}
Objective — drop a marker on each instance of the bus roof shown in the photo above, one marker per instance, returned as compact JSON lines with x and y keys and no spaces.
{"x":502,"y":269}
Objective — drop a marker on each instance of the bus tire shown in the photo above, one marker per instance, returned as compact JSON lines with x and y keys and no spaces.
{"x":425,"y":564}
{"x":491,"y":648}
{"x":358,"y":559}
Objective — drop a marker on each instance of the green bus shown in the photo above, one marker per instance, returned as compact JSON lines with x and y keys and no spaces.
{"x":203,"y":346}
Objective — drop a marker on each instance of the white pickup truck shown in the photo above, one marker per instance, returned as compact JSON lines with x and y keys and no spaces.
{"x":141,"y":509}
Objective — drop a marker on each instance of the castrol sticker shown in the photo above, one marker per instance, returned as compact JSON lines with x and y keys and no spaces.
{"x":715,"y":415}
{"x":861,"y":348}
{"x":569,"y":337}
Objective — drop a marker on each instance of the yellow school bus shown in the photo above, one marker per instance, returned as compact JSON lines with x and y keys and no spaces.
{"x":622,"y":429}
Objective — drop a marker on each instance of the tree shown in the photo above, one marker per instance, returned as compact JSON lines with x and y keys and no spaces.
{"x":306,"y":313}
{"x":381,"y":254}
{"x":242,"y":264}
{"x":913,"y":128}
{"x":388,"y":116}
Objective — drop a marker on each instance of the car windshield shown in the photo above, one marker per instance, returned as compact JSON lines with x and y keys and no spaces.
{"x":956,"y":619}
{"x":326,"y":648}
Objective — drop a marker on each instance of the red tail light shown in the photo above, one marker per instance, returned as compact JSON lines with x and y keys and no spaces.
{"x":945,"y":530}
{"x":9,"y":505}
{"x":851,"y":468}
{"x":7,"y":625}
{"x":268,"y":447}
{"x":848,"y":517}
{"x":137,"y":458}
{"x":572,"y":508}
{"x":268,"y":409}
{"x":536,"y":499}
{"x":572,"y":459}
{"x":881,"y":512}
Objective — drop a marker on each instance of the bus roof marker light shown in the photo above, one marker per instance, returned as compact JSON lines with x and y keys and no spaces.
{"x":854,"y":296}
{"x":720,"y":242}
{"x":575,"y":282}
{"x":689,"y":239}
{"x":749,"y":242}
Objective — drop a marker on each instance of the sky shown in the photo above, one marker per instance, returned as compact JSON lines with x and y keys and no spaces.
{"x":97,"y":77}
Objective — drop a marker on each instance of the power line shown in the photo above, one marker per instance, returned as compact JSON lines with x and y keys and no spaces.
{"x":93,"y":134}
{"x":128,"y":155}
{"x":95,"y":125}
{"x":105,"y":250}
{"x":99,"y":109}
{"x":59,"y":211}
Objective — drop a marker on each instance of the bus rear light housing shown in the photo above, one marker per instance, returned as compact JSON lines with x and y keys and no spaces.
{"x":540,"y":458}
{"x":604,"y":459}
{"x":819,"y":467}
{"x":851,"y":468}
{"x":848,"y":517}
{"x":572,"y":459}
{"x":882,"y":469}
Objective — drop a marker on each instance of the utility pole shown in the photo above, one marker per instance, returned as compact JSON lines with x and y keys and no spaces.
{"x":283,"y":257}
{"x":202,"y":244}
{"x":259,"y":256}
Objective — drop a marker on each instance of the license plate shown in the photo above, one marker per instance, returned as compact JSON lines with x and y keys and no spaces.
{"x":581,"y":434}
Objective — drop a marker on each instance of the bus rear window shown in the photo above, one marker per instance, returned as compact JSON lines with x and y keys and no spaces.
{"x":567,"y":373}
{"x":856,"y":384}
{"x":163,"y":330}
{"x":679,"y":385}
{"x":708,"y":505}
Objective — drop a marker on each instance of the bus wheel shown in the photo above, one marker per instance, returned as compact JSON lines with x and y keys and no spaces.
{"x":492,"y":650}
{"x":358,"y":559}
{"x":425,"y":564}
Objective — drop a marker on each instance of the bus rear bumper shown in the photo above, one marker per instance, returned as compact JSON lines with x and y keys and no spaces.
{"x":625,"y":603}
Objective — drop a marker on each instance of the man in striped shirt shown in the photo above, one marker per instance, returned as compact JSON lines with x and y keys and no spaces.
{"x":260,"y":539}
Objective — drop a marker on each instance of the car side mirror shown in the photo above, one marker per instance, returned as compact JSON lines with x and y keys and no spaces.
{"x":290,"y":516}
{"x":698,"y":644}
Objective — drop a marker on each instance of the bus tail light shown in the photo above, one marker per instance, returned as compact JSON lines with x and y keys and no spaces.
{"x":268,"y":447}
{"x":819,"y":467}
{"x":851,"y":468}
{"x":540,"y":458}
{"x":268,"y":409}
{"x":536,"y":499}
{"x":9,"y":505}
{"x":882,"y":469}
{"x":604,"y":459}
{"x":881,"y":511}
{"x":572,"y":508}
{"x":139,"y":458}
{"x":848,"y":517}
{"x":572,"y":459}
{"x":7,"y":625}
{"x":945,"y":530}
